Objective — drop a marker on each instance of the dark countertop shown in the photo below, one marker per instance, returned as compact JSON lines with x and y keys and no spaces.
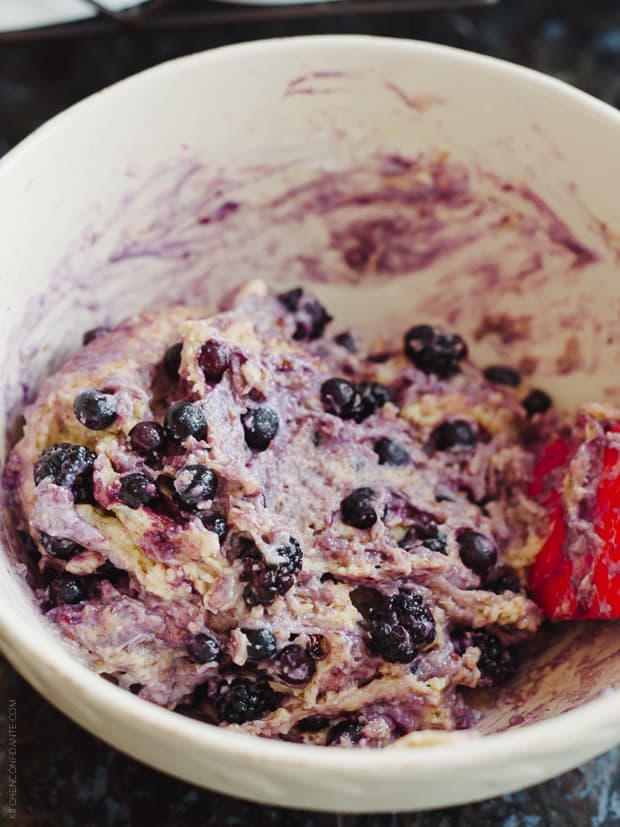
{"x":67,"y":778}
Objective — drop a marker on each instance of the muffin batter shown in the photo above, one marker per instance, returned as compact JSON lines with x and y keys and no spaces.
{"x":242,"y":517}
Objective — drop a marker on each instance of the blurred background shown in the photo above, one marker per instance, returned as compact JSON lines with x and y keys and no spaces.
{"x":66,"y":777}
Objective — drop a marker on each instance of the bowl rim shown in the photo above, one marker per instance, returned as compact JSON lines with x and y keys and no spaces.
{"x":553,"y":734}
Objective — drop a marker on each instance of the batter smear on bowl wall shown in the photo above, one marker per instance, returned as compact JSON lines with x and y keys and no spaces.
{"x":248,"y":518}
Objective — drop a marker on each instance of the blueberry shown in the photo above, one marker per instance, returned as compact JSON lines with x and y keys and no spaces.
{"x":372,"y":396}
{"x":294,"y":665}
{"x":195,"y":484}
{"x":357,"y":509}
{"x":454,"y":434}
{"x":95,"y":410}
{"x":496,"y":664}
{"x":215,"y":523}
{"x":506,"y":580}
{"x":427,"y":532}
{"x":66,"y":589}
{"x":502,"y":375}
{"x":265,"y":584}
{"x":313,"y":723}
{"x":399,"y":626}
{"x":310,"y":316}
{"x":316,"y":647}
{"x":184,"y":420}
{"x":136,"y":489}
{"x":243,"y":700}
{"x":353,"y":401}
{"x":261,"y":644}
{"x":291,"y":554}
{"x":147,"y":439}
{"x":69,"y":466}
{"x":347,"y":341}
{"x":260,"y":425}
{"x":95,"y":333}
{"x":214,"y":360}
{"x":118,"y":577}
{"x":204,"y":648}
{"x":266,"y":581}
{"x":291,"y":298}
{"x":402,"y":628}
{"x":433,"y":350}
{"x":436,"y":544}
{"x":167,"y":501}
{"x":391,"y":452}
{"x":172,"y":360}
{"x":31,"y":554}
{"x":478,"y":551}
{"x":61,"y":548}
{"x":344,"y":733}
{"x":536,"y":402}
{"x":312,"y":319}
{"x":339,"y":397}
{"x":243,"y":547}
{"x":366,"y":600}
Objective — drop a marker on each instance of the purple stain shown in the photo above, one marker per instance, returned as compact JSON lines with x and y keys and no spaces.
{"x":419,"y":103}
{"x":557,"y":230}
{"x":297,"y":87}
{"x":396,"y":165}
{"x":221,"y":213}
{"x":358,"y":257}
{"x":158,"y":544}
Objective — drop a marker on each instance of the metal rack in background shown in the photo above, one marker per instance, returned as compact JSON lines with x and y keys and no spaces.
{"x":168,"y":15}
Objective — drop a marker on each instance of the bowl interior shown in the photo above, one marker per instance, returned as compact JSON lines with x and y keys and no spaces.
{"x":403,"y":185}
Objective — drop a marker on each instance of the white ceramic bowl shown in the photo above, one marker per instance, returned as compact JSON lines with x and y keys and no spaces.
{"x":16,"y":15}
{"x":30,"y":14}
{"x":311,"y":138}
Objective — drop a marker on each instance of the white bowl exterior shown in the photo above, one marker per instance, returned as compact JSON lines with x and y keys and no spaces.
{"x":135,"y":161}
{"x":17,"y":14}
